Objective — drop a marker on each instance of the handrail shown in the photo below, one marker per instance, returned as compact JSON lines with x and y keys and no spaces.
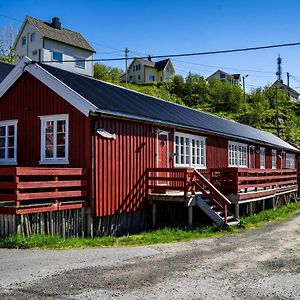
{"x":212,"y":188}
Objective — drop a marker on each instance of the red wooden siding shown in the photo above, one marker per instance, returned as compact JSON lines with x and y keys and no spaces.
{"x":121,"y":165}
{"x":26,"y":101}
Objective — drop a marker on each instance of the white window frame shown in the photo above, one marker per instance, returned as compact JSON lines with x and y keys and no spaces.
{"x":190,"y":153}
{"x":262,"y":163}
{"x":6,"y":160}
{"x":274,"y":159}
{"x":290,"y":161}
{"x":56,"y":51}
{"x":238,"y":158}
{"x":54,"y":160}
{"x":82,"y":60}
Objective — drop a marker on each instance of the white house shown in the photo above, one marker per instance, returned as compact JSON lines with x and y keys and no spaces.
{"x":53,"y":44}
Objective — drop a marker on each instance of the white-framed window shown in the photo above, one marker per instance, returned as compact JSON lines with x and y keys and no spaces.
{"x":168,"y":69}
{"x":24,"y":40}
{"x":79,"y":62}
{"x":237,"y":155}
{"x":54,"y":139}
{"x":151,"y":77}
{"x":189,"y":150}
{"x":8,"y":142}
{"x":262,"y":157}
{"x":32,"y":37}
{"x":290,"y":161}
{"x":274,"y":159}
{"x":57,"y":56}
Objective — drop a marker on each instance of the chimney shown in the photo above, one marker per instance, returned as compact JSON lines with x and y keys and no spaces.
{"x":55,"y":23}
{"x":149,"y":58}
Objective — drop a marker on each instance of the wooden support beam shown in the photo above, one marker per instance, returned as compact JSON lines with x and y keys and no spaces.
{"x":190,"y":215}
{"x":153,"y":215}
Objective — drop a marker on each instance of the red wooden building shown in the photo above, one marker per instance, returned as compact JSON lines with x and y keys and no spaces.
{"x":77,"y":153}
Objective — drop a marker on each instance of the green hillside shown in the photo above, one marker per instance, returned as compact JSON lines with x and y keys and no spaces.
{"x":225,"y":100}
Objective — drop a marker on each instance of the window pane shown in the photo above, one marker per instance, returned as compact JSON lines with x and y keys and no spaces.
{"x":49,"y":126}
{"x":187,"y":151}
{"x":11,"y":142}
{"x":2,"y":142}
{"x":49,"y":151}
{"x":60,"y":139}
{"x":60,"y":151}
{"x":56,"y":56}
{"x":11,"y":130}
{"x":2,"y":131}
{"x":11,"y":153}
{"x":2,"y":153}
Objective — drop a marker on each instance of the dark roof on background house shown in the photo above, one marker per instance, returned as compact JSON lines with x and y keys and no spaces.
{"x":5,"y":68}
{"x":115,"y":100}
{"x":280,"y":83}
{"x":62,"y":35}
{"x":159,"y":65}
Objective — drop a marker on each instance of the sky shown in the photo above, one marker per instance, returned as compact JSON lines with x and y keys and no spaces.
{"x":173,"y":27}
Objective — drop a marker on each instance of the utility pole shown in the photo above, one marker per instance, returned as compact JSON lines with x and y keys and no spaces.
{"x":288,"y":82}
{"x":277,"y":114}
{"x":244,"y":90}
{"x":126,"y":64}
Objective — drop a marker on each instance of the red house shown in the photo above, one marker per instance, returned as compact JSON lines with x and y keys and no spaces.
{"x":81,"y":156}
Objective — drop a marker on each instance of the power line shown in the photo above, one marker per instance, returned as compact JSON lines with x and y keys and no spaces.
{"x":196,"y":53}
{"x":7,"y":17}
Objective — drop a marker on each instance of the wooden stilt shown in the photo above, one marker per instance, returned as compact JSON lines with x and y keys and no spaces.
{"x":190,"y":215}
{"x":153,"y":215}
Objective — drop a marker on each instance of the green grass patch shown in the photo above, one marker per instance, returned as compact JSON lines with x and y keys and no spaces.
{"x":160,"y":236}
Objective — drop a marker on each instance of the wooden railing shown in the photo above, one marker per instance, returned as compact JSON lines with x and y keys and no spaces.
{"x":39,"y":188}
{"x":187,"y":180}
{"x":253,"y":183}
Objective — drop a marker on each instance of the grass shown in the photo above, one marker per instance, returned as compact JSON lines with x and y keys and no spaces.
{"x":165,"y":235}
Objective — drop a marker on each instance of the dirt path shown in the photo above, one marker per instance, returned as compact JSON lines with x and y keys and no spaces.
{"x":259,"y":264}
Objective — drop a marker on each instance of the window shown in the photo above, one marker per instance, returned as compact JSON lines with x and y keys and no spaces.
{"x":189,"y":150}
{"x":168,"y":69}
{"x":8,"y":142}
{"x":167,"y":78}
{"x":133,"y":69}
{"x":237,"y":155}
{"x":24,"y":40}
{"x":32,"y":37}
{"x":274,"y":159}
{"x":139,"y":77}
{"x":57,"y":56}
{"x":79,"y":62}
{"x":34,"y":52}
{"x":290,"y":161}
{"x":55,"y":138}
{"x":262,"y":158}
{"x":151,"y":77}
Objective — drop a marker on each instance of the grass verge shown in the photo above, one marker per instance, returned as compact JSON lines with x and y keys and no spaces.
{"x":165,"y":235}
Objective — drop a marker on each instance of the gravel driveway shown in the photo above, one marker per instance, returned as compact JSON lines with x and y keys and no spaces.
{"x":258,"y":264}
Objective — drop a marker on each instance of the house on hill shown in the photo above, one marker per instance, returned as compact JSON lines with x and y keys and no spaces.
{"x":79,"y":156}
{"x":142,"y":71}
{"x":290,"y":92}
{"x":43,"y":41}
{"x":234,"y":79}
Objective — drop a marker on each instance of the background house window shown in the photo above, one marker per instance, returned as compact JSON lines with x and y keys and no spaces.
{"x":79,"y":62}
{"x":189,"y":150}
{"x":32,"y":37}
{"x":34,"y":52}
{"x":57,"y":56}
{"x":168,"y":69}
{"x":274,"y":159}
{"x":151,"y":77}
{"x":24,"y":40}
{"x":290,"y":161}
{"x":54,"y":137}
{"x":8,"y":141}
{"x":237,"y":155}
{"x":262,"y":158}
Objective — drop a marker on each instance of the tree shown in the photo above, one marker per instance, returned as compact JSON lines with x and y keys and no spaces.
{"x":106,"y":73}
{"x":7,"y":37}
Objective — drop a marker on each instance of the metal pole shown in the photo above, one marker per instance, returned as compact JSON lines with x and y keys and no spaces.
{"x":277,"y":114}
{"x":244,"y":90}
{"x":288,"y":82}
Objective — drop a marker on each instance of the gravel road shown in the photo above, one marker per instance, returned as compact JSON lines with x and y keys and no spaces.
{"x":258,"y":264}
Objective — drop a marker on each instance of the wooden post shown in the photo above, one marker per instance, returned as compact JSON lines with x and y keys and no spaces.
{"x":237,"y":210}
{"x":153,"y":215}
{"x":263,"y":204}
{"x":250,"y":208}
{"x":274,"y":202}
{"x":83,"y":223}
{"x":190,"y":215}
{"x":90,"y":223}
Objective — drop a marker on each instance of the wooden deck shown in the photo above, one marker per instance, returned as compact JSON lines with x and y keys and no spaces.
{"x":31,"y":190}
{"x":254,"y":184}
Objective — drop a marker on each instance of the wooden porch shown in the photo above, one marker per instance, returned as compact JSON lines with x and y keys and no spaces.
{"x":34,"y":190}
{"x":215,"y":192}
{"x":245,"y":185}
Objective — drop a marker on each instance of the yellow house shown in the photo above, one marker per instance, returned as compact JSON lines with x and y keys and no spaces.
{"x":143,"y":71}
{"x":234,"y":79}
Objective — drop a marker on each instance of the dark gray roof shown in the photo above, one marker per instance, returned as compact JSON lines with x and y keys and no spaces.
{"x":160,"y":65}
{"x":62,"y":35}
{"x":5,"y":68}
{"x":116,"y":100}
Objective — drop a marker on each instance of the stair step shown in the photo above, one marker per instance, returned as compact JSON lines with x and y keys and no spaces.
{"x":233,"y":223}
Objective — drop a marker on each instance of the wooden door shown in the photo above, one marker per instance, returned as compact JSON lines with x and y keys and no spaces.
{"x":162,"y":154}
{"x":251,"y":157}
